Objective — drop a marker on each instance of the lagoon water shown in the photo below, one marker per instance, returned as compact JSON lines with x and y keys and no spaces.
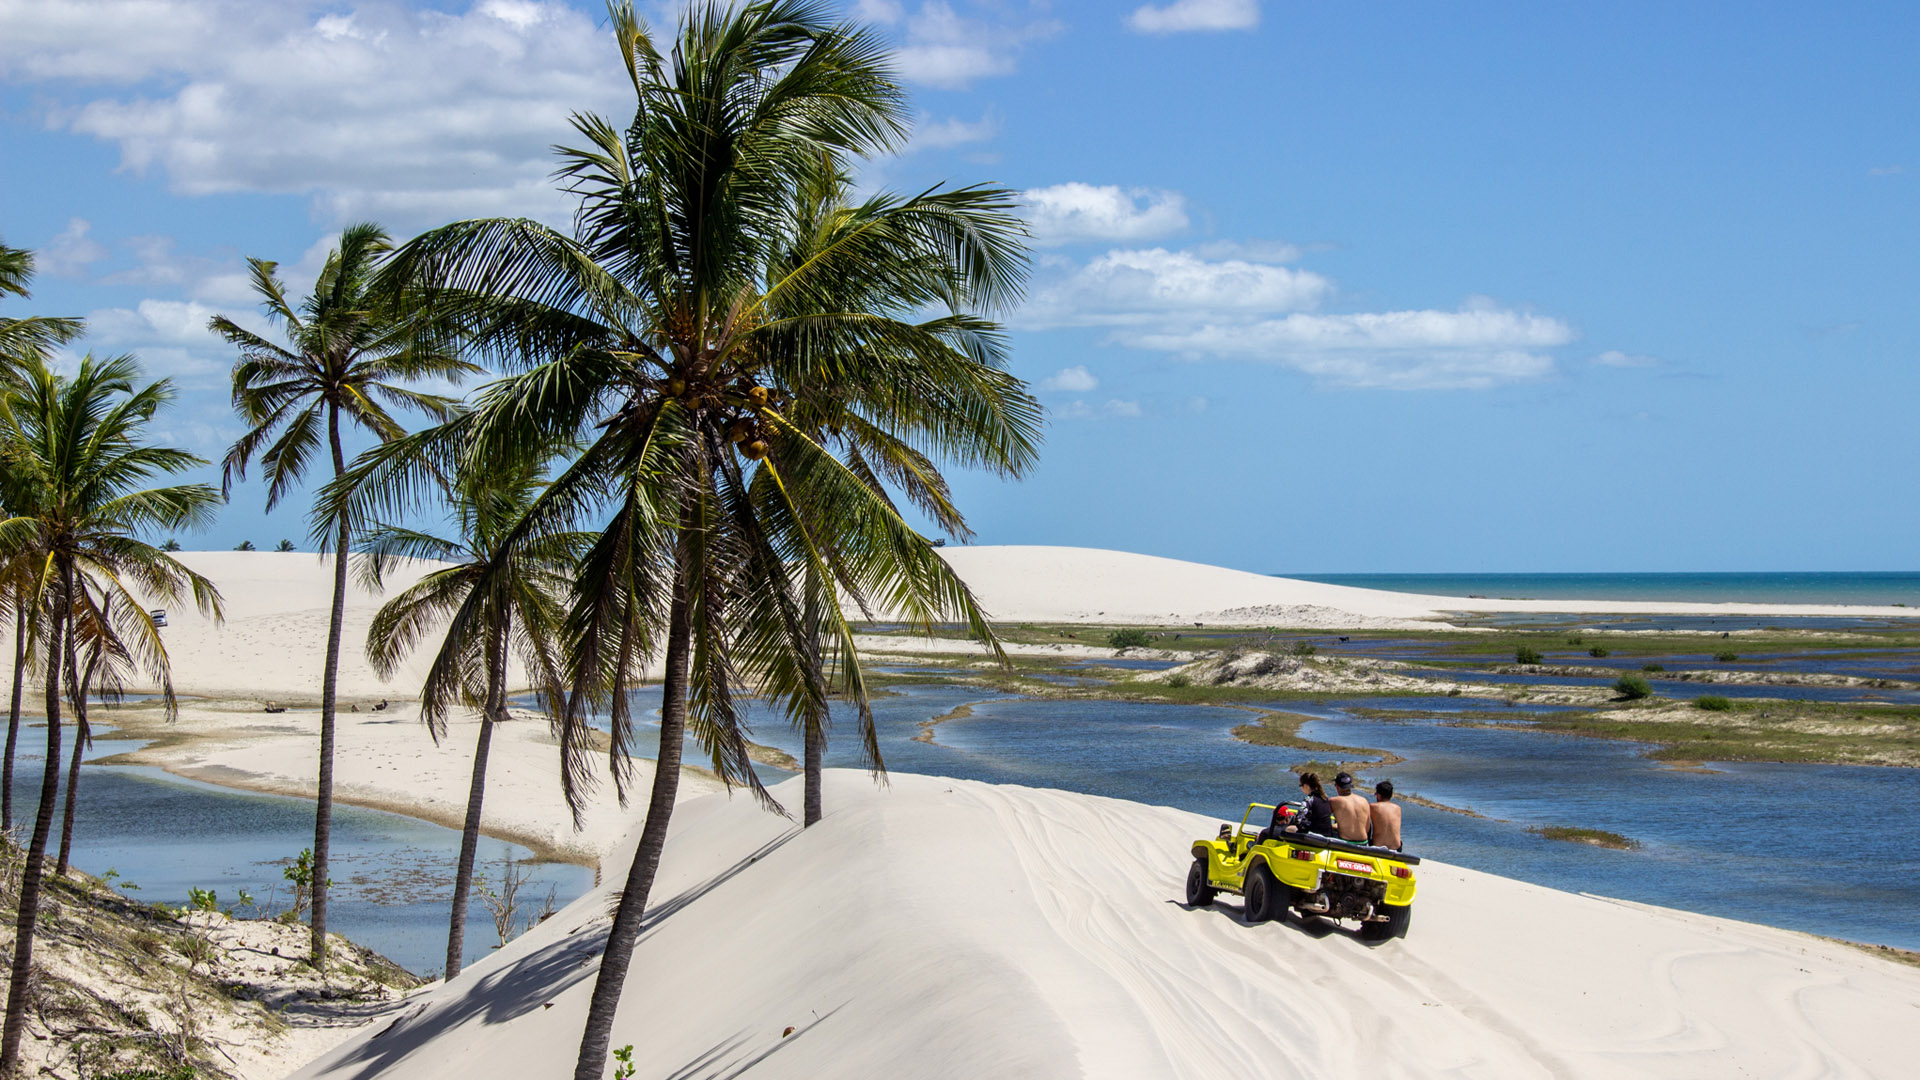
{"x":1870,"y":587}
{"x":1750,"y":842}
{"x":392,"y":875}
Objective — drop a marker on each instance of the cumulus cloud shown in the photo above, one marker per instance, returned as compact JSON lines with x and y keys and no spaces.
{"x":1196,"y":307}
{"x":1076,"y":212}
{"x":1148,"y":286}
{"x":380,"y":110}
{"x":1476,"y":347}
{"x":72,"y":252}
{"x":1074,"y":380}
{"x":1187,"y":15}
{"x":940,"y":47}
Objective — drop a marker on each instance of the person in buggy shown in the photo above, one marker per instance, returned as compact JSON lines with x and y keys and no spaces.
{"x":1315,"y":817}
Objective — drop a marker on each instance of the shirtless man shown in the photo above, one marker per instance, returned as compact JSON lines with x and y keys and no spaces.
{"x":1350,"y":812}
{"x":1386,"y":816}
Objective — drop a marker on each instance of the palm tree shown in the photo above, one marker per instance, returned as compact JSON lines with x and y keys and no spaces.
{"x":350,"y":354}
{"x":79,"y":460}
{"x":487,"y":617}
{"x":284,"y":545}
{"x":657,"y":338}
{"x":107,"y":660}
{"x":20,"y":339}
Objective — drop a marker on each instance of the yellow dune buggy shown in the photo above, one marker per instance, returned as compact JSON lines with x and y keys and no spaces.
{"x":1312,"y":874}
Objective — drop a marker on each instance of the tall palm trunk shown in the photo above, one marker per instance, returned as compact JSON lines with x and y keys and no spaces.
{"x":815,"y":718}
{"x":13,"y":710}
{"x":28,"y":912}
{"x":494,"y":711}
{"x":329,"y":696}
{"x":82,"y":739}
{"x":592,"y":1063}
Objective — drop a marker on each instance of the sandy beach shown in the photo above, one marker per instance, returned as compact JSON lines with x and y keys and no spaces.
{"x":944,"y":928}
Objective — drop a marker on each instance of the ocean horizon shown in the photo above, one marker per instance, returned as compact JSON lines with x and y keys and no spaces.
{"x":1878,"y":588}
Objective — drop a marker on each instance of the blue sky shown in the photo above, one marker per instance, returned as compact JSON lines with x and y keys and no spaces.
{"x":1317,"y":287}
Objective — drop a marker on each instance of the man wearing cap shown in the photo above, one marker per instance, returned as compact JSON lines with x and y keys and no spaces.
{"x":1350,"y":813}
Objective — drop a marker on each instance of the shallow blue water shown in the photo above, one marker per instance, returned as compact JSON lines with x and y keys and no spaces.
{"x":1733,"y":842}
{"x":392,"y":875}
{"x":1823,"y":587}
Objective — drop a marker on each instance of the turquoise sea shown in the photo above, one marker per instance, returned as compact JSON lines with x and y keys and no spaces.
{"x":1786,"y":587}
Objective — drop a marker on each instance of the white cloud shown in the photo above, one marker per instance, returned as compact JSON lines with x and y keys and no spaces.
{"x":1886,"y":170}
{"x":1184,"y":15}
{"x":169,"y":336}
{"x":931,"y":134}
{"x":1476,"y":347}
{"x":1196,"y":404}
{"x":1135,"y":287}
{"x":1616,"y":358}
{"x":384,"y":110}
{"x":1076,"y":212}
{"x":72,"y":252}
{"x":1074,"y":380}
{"x":944,"y":49}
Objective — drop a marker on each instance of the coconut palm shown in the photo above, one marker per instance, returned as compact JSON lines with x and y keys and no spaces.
{"x":660,"y":338}
{"x":94,"y":637}
{"x":348,"y":358}
{"x":79,"y":459}
{"x":518,"y":609}
{"x":20,"y":339}
{"x":30,"y":336}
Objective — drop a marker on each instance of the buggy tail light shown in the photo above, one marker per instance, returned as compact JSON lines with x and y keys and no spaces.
{"x":1302,"y":854}
{"x":1401,"y":871}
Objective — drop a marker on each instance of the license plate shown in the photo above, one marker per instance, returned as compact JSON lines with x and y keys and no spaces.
{"x":1354,"y":865}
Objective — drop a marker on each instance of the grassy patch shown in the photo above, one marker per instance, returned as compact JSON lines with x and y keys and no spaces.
{"x":1595,"y":837}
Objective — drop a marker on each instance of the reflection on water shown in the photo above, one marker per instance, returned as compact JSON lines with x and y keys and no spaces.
{"x":392,"y":875}
{"x":1737,"y":841}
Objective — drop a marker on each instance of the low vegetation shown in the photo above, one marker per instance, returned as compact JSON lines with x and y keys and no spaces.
{"x":1632,"y":687}
{"x":1526,"y":654}
{"x":1594,"y":837}
{"x":1712,"y":703}
{"x":1130,"y":638}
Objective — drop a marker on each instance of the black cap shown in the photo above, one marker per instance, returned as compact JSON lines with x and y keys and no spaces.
{"x":1343,"y":780}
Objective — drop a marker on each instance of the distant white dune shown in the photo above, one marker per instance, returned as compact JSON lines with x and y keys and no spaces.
{"x":1066,"y":584}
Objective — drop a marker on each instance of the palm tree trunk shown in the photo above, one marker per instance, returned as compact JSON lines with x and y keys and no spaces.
{"x":13,"y":710}
{"x":495,"y":710}
{"x":815,"y":718}
{"x":329,"y":697}
{"x":592,"y":1063}
{"x":82,"y":738}
{"x":28,"y":912}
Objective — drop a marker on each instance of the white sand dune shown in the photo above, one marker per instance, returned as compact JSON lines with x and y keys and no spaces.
{"x":944,"y":928}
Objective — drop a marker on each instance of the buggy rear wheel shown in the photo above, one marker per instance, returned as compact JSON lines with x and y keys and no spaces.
{"x":1399,"y":917}
{"x":1265,"y":896}
{"x":1200,"y":892}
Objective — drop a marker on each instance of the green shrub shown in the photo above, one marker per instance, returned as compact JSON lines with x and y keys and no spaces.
{"x":1653,"y":667}
{"x":177,"y":1072}
{"x":1726,"y":657}
{"x":1574,"y":640}
{"x":1526,"y":654}
{"x":1131,"y":638}
{"x":1712,"y":703}
{"x":1179,"y":682}
{"x":1302,"y":649}
{"x":1632,"y":687}
{"x":1597,"y":652}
